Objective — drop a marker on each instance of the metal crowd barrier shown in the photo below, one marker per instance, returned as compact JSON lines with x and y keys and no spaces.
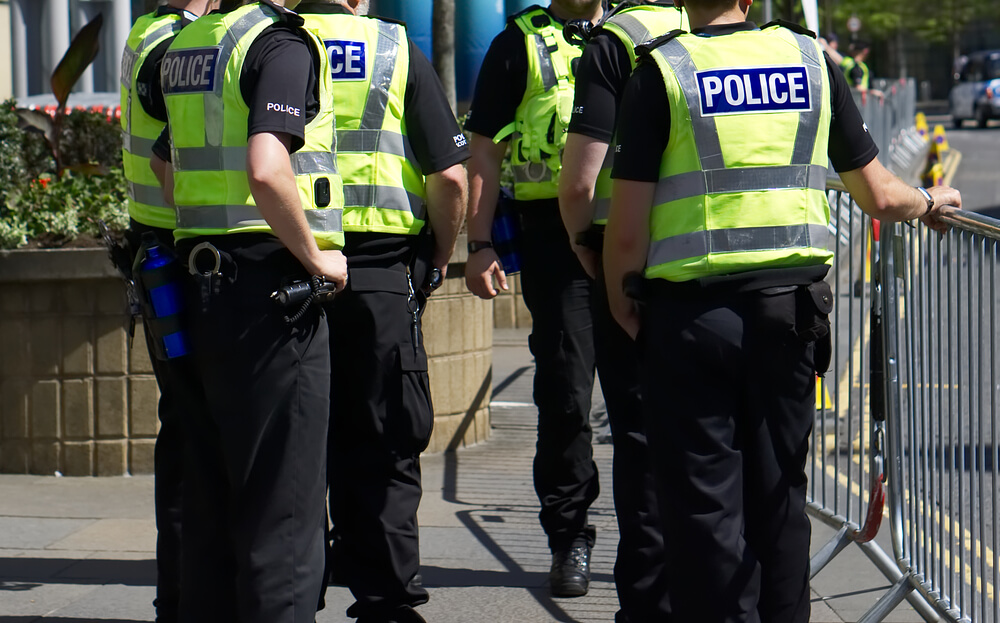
{"x":940,"y":308}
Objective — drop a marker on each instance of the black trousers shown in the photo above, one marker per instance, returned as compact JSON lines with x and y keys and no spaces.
{"x":557,"y":293}
{"x":728,"y":389}
{"x":174,"y":382}
{"x":381,"y":420}
{"x":255,"y":479}
{"x":640,"y":567}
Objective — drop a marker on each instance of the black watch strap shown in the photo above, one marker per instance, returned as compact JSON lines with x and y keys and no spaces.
{"x":479,"y":245}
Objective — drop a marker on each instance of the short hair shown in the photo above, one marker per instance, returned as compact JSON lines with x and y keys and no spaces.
{"x":857,"y":46}
{"x":832,"y":37}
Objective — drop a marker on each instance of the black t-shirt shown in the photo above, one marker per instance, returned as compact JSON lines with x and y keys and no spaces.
{"x":642,"y":139}
{"x":278,"y":83}
{"x":604,"y":70}
{"x":147,"y":81}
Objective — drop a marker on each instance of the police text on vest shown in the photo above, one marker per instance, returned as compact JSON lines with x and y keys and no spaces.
{"x":189,"y":71}
{"x":347,"y":59}
{"x":742,"y":90}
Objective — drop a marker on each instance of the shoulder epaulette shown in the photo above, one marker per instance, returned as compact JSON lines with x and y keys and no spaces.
{"x":799,"y":28}
{"x":643,"y":49}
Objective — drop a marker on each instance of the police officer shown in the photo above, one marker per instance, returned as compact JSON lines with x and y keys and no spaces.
{"x":399,"y":150}
{"x":259,"y":202}
{"x":584,"y":196}
{"x":523,"y":98}
{"x":719,"y":200}
{"x":143,"y":118}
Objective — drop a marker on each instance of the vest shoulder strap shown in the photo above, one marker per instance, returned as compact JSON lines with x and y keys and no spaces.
{"x":646,"y":48}
{"x":796,"y":28}
{"x":388,"y":20}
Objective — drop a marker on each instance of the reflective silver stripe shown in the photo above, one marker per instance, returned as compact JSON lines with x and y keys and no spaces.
{"x":805,"y":137}
{"x":309,"y":162}
{"x":548,"y":71}
{"x":210,"y":158}
{"x":635,"y":29}
{"x":145,"y":194}
{"x":138,"y":146}
{"x":383,"y":197}
{"x":706,"y":135}
{"x":373,"y":141}
{"x":747,"y":239}
{"x":131,"y":56}
{"x":696,"y":183}
{"x":233,"y":216}
{"x":532,"y":173}
{"x":387,"y":51}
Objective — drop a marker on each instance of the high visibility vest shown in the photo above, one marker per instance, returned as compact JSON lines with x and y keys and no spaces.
{"x":743,"y":178}
{"x":384,"y":187}
{"x":139,"y":130}
{"x":848,"y":64}
{"x":541,"y":119}
{"x":632,"y":26}
{"x":208,"y":129}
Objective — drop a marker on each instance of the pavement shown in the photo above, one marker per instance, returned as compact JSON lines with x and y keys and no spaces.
{"x":82,"y":549}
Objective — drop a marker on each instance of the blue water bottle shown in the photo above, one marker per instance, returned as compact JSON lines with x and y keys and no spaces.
{"x":506,"y":234}
{"x":164,"y":302}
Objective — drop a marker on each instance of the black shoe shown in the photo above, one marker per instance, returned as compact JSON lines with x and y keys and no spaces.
{"x":570,"y":572}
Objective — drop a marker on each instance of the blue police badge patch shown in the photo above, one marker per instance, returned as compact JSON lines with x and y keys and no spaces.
{"x":189,"y":71}
{"x":348,"y":59}
{"x":742,"y":90}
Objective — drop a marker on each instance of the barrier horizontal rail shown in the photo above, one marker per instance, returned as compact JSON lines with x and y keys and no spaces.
{"x":940,"y":303}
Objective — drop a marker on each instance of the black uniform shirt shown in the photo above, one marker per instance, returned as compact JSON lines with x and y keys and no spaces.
{"x":436,"y":139}
{"x":642,"y":139}
{"x":280,"y":70}
{"x":604,"y":70}
{"x":147,"y":81}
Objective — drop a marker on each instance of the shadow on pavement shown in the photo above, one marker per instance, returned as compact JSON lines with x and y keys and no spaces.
{"x":32,"y":619}
{"x":19,"y":574}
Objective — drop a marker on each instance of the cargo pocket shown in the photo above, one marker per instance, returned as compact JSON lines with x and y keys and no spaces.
{"x":413,"y":420}
{"x":812,"y":323}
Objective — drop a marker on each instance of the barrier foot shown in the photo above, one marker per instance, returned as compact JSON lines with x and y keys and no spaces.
{"x":888,"y":602}
{"x":829,"y":551}
{"x":891,"y":571}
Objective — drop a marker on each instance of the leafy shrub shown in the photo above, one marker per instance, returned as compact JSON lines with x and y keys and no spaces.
{"x":38,"y":206}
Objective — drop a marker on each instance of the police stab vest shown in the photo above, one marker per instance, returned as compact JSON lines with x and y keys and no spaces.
{"x":541,"y":119}
{"x":632,"y":26}
{"x":383,"y":185}
{"x":139,"y":130}
{"x":743,"y":178}
{"x":208,"y":129}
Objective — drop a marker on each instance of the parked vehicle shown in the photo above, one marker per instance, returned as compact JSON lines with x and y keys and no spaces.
{"x":976,"y":94}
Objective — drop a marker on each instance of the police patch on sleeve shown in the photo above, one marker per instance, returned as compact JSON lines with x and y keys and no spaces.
{"x":742,"y":90}
{"x":189,"y":71}
{"x":348,"y":59}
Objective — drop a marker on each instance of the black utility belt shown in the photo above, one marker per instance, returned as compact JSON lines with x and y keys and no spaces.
{"x":592,"y":238}
{"x":750,"y":282}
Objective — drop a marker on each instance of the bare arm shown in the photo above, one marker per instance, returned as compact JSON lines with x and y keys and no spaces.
{"x":164,"y":173}
{"x":272,"y":183}
{"x":581,"y":164}
{"x":884,"y":196}
{"x":626,"y":243}
{"x":447,"y":196}
{"x":484,"y":188}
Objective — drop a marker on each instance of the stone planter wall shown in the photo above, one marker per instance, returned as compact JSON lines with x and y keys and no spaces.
{"x":75,"y":399}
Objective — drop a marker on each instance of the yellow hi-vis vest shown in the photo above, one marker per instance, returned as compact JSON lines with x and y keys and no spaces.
{"x":208,"y":130}
{"x":848,"y":64}
{"x":632,"y":26}
{"x":542,"y":117}
{"x":139,"y":130}
{"x":384,"y":188}
{"x":743,"y":177}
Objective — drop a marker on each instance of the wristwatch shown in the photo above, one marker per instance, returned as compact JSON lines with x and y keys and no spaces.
{"x":479,"y":245}
{"x":927,"y":196}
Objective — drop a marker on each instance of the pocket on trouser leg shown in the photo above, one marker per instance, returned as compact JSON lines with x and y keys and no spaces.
{"x":812,"y":321}
{"x":413,"y":420}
